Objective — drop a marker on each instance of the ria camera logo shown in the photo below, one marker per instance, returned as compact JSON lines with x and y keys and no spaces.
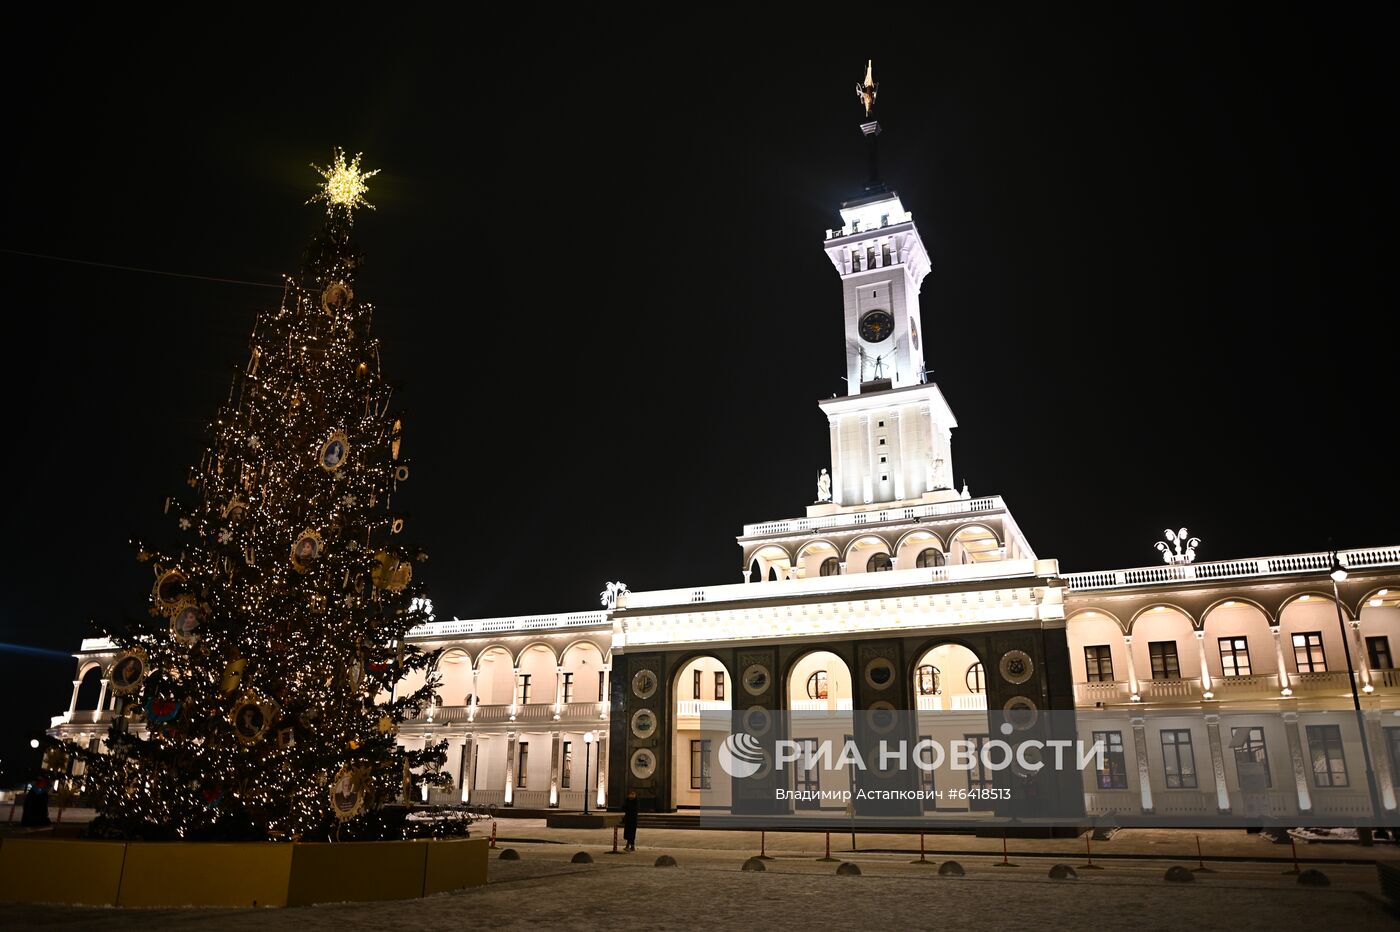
{"x":740,"y":755}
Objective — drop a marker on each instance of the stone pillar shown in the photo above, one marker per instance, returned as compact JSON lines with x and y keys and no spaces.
{"x":510,"y":768}
{"x":1217,"y":763}
{"x":1205,"y":670}
{"x":73,"y":703}
{"x":1132,"y":672}
{"x":604,"y":703}
{"x":468,"y":759}
{"x":558,"y":691}
{"x":1363,"y":657}
{"x":896,"y":456}
{"x":1380,"y":764}
{"x":1300,"y":765}
{"x":514,"y":691}
{"x":476,"y":694}
{"x":1144,"y":771}
{"x":101,"y":700}
{"x":837,"y":493}
{"x":601,"y":745}
{"x":555,"y":756}
{"x":868,"y":428}
{"x":1282,"y":666}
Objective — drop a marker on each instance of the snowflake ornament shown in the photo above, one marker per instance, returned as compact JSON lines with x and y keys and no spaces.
{"x":225,"y":535}
{"x":185,"y":524}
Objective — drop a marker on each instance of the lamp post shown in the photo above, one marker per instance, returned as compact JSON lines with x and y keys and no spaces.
{"x":587,"y":753}
{"x":1339,"y":574}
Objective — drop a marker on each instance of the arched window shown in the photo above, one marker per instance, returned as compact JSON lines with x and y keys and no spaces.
{"x":831,"y":566}
{"x":879,"y":563}
{"x":772,"y":574}
{"x":929,"y":558}
{"x":755,"y":574}
{"x":816,"y":685}
{"x":928,"y":680}
{"x":976,"y":679}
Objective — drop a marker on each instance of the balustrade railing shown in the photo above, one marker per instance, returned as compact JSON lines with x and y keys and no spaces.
{"x":1318,"y":562}
{"x":969,"y":506}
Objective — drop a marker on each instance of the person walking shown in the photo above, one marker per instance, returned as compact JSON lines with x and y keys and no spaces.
{"x":630,"y":811}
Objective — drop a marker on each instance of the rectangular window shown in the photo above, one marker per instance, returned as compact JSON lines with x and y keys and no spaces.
{"x":1307,"y":652}
{"x":1164,"y":662}
{"x":870,"y":257}
{"x":700,"y":764}
{"x":882,"y":441}
{"x":698,"y":674}
{"x":719,"y":686}
{"x":566,"y":765}
{"x":1234,"y":656}
{"x":1251,"y":759}
{"x":979,"y":777}
{"x":885,"y":253}
{"x":926,"y":777}
{"x":1178,"y":759}
{"x":855,"y":260}
{"x":1098,"y":663}
{"x":523,"y":689}
{"x":1329,"y":764}
{"x":523,"y":762}
{"x":1378,"y":651}
{"x":1113,"y":775}
{"x":568,"y":687}
{"x":809,"y":778}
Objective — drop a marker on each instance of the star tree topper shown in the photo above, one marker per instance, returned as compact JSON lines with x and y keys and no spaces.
{"x":344,"y":183}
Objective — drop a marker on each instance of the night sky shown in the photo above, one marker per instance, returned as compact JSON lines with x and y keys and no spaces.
{"x":1161,"y":289}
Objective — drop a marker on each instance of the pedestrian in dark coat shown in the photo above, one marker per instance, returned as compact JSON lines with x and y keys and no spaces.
{"x":630,"y":810}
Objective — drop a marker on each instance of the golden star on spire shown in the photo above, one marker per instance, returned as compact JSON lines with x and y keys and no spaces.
{"x":344,"y":184}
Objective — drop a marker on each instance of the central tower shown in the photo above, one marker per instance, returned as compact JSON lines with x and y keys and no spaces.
{"x":891,"y":433}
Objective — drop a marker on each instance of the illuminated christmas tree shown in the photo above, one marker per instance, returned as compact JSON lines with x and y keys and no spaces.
{"x":258,"y":699}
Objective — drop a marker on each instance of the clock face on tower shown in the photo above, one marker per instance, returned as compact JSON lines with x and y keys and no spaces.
{"x":876,"y":326}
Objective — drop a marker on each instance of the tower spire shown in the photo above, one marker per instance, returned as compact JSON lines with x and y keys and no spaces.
{"x":866,"y":90}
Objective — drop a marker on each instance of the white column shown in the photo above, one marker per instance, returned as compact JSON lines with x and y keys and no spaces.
{"x":1300,"y":766}
{"x":1375,"y":738}
{"x":1144,"y":771}
{"x":869,"y":480}
{"x":510,"y":768}
{"x":837,"y":496}
{"x":1132,"y":673}
{"x":604,"y":703}
{"x":896,"y":455}
{"x":476,"y":696}
{"x":1282,"y":667}
{"x":1217,"y":763}
{"x":1363,"y":659}
{"x":73,"y":703}
{"x":514,"y":691}
{"x":468,"y":759}
{"x":555,"y":756}
{"x":101,"y":700}
{"x":600,"y":747}
{"x":1205,"y":670}
{"x":558,"y":691}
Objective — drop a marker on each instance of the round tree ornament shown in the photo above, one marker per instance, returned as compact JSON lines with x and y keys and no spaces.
{"x":128,"y":671}
{"x":334,"y":451}
{"x":347,"y":793}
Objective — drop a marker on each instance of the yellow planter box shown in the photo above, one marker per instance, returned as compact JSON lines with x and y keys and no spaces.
{"x":85,"y":873}
{"x":98,"y":873}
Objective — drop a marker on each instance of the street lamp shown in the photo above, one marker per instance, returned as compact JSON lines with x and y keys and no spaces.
{"x":1339,"y":574}
{"x":587,"y":752}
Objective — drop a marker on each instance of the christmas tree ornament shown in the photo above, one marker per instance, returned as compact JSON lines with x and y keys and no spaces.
{"x":306,"y":551}
{"x":233,"y":676}
{"x":347,"y":793}
{"x":336,"y":297}
{"x":334,"y":451}
{"x":390,"y":573}
{"x":128,"y":671}
{"x":186,"y":617}
{"x":169,"y":586}
{"x":250,"y":718}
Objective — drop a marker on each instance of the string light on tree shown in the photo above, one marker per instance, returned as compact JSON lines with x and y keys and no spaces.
{"x":260,"y":697}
